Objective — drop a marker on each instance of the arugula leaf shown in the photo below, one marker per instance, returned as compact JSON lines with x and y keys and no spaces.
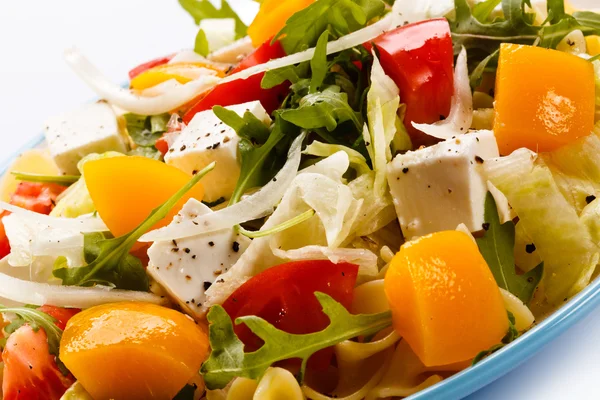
{"x":291,"y":73}
{"x":510,"y":337}
{"x":497,"y":247}
{"x":483,"y":10}
{"x":146,"y":130}
{"x":201,"y":9}
{"x":37,"y":319}
{"x":64,"y":180}
{"x":201,"y":45}
{"x":303,"y":29}
{"x":255,"y":147}
{"x":326,"y":109}
{"x":318,"y":64}
{"x":228,"y":360}
{"x":477,"y":75}
{"x":109,"y":261}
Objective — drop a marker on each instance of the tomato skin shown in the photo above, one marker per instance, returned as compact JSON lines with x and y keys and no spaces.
{"x":244,"y":90}
{"x":284,"y":296}
{"x":150,"y":64}
{"x":30,"y":371}
{"x":419,"y":58}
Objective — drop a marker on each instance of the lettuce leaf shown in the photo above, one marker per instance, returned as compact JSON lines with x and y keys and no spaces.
{"x":561,"y":239}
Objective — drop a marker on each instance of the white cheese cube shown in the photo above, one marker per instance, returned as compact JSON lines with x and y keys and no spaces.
{"x":186,"y":268}
{"x":92,"y":128}
{"x":207,"y":139}
{"x":439,"y":187}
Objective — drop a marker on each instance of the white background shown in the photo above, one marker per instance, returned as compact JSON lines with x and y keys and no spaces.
{"x":119,"y":34}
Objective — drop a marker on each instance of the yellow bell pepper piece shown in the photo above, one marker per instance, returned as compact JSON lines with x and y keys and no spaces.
{"x":272,"y":17}
{"x":181,"y":72}
{"x":545,"y":99}
{"x":445,"y":302}
{"x":593,"y":45}
{"x":36,"y":161}
{"x":125,"y":190}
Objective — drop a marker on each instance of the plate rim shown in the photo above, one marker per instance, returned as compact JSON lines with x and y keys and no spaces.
{"x":491,"y":368}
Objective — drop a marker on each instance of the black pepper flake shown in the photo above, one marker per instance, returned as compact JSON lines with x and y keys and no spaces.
{"x":223,"y":131}
{"x":180,"y":120}
{"x":485,"y":226}
{"x":207,"y":285}
{"x":449,"y":191}
{"x":187,"y":250}
{"x":175,"y":249}
{"x":214,"y":146}
{"x":189,"y":278}
{"x":174,"y":242}
{"x":405,"y":170}
{"x":183,"y":148}
{"x":236,"y":246}
{"x":479,"y":159}
{"x":343,"y":273}
{"x":194,"y":257}
{"x":530,"y":248}
{"x":274,"y":179}
{"x":211,"y":244}
{"x":590,"y":198}
{"x":194,"y":172}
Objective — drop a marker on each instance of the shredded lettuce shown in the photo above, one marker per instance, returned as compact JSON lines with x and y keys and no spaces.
{"x":561,"y":238}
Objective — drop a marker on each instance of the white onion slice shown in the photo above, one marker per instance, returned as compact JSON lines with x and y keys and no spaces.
{"x":345,"y":42}
{"x":255,"y":206}
{"x":91,"y":224}
{"x":28,"y":292}
{"x":461,"y":113}
{"x":127,"y":99}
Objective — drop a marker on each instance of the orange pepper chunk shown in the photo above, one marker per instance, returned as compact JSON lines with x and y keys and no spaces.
{"x":181,"y":72}
{"x":545,"y":99}
{"x":130,"y":351}
{"x":444,"y":299}
{"x":272,"y":17}
{"x":125,"y":190}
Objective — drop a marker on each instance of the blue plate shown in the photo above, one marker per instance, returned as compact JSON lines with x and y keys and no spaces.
{"x":495,"y":366}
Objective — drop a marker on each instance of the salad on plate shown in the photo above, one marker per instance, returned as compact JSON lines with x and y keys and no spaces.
{"x":346,"y":199}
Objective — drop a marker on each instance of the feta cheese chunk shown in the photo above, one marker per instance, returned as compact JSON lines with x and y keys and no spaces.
{"x":439,"y":187}
{"x":207,"y":139}
{"x":92,"y":128}
{"x":186,"y":268}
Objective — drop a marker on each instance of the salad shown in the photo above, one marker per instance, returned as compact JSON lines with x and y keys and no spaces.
{"x":345,"y":199}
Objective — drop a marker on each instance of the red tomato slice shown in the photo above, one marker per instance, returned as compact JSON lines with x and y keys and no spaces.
{"x":30,"y":371}
{"x":419,"y":58}
{"x":284,"y":296}
{"x":244,"y":90}
{"x":150,"y":64}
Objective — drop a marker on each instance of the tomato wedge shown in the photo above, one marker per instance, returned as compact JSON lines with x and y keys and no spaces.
{"x":419,"y":58}
{"x":150,"y":64}
{"x":284,"y":296}
{"x":244,"y":90}
{"x":30,"y":371}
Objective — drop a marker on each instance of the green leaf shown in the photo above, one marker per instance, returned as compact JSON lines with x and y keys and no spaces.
{"x":483,"y":10}
{"x":146,"y":130}
{"x":109,"y":261}
{"x":318,"y":65}
{"x":148,"y":152}
{"x":255,"y":147}
{"x":38,"y":319}
{"x":305,"y":216}
{"x":291,"y":73}
{"x":201,"y":9}
{"x":303,"y":29}
{"x":326,"y":109}
{"x":228,"y":360}
{"x":477,"y":75}
{"x":497,"y":247}
{"x":511,"y":335}
{"x":64,"y":180}
{"x":201,"y":44}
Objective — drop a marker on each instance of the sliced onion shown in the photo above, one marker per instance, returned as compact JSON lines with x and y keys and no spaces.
{"x":255,"y":206}
{"x":461,"y":113}
{"x":345,"y":42}
{"x":28,"y":292}
{"x":365,"y":259}
{"x":129,"y":100}
{"x":90,"y":224}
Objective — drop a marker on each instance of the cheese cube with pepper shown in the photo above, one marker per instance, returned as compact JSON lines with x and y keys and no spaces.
{"x":207,"y":139}
{"x":92,"y":128}
{"x":187,"y":267}
{"x":439,"y":187}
